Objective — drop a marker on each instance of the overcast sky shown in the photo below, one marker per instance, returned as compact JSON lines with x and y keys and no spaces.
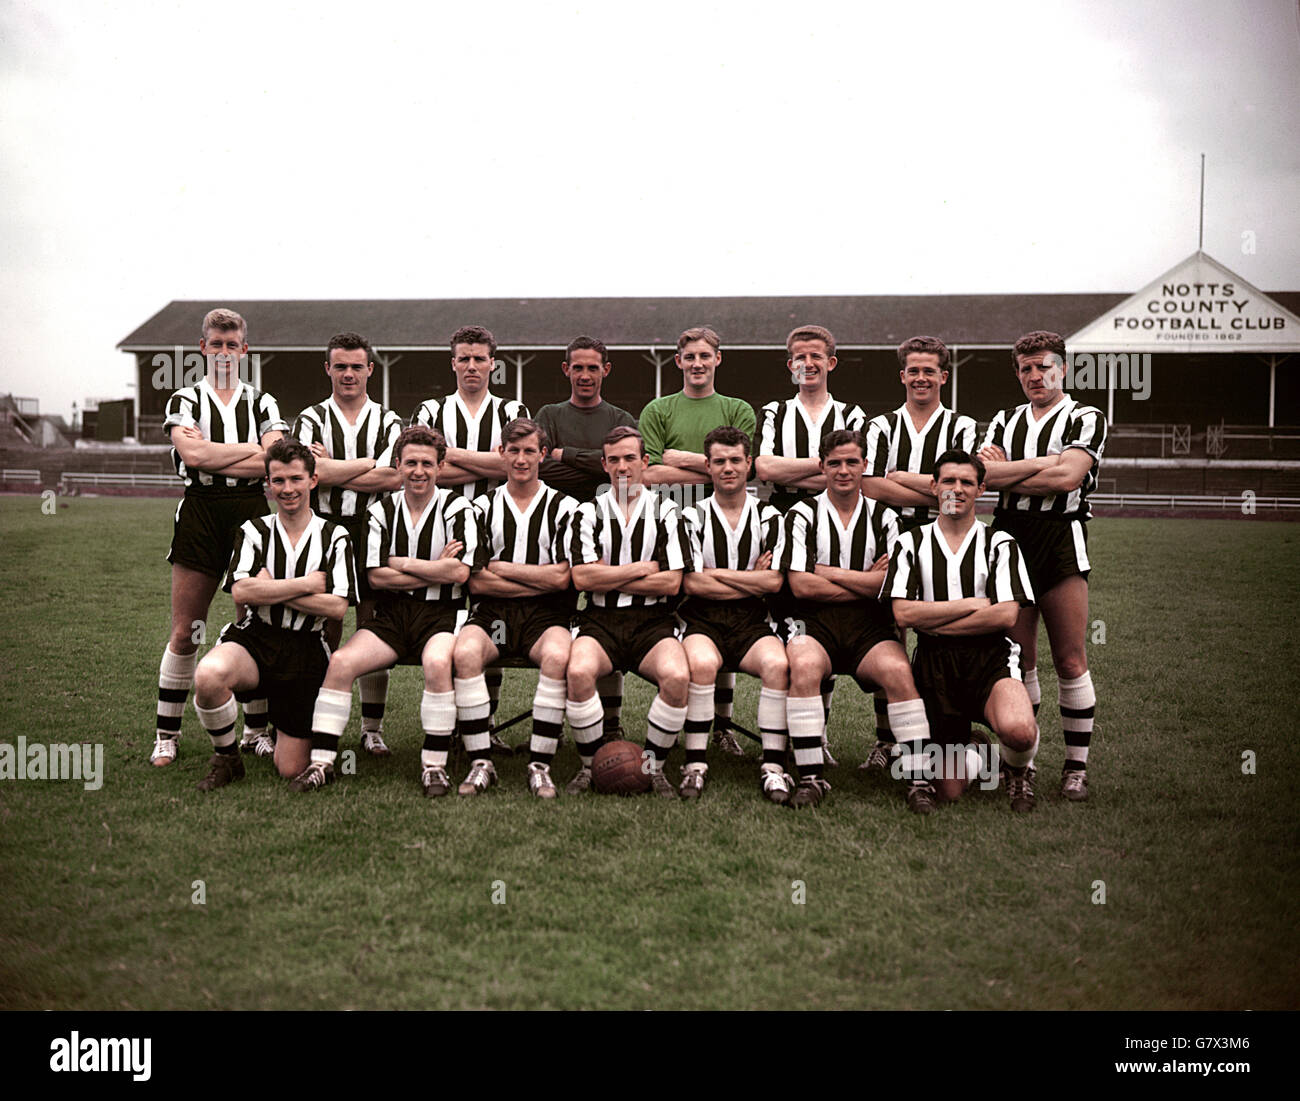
{"x":493,"y":149}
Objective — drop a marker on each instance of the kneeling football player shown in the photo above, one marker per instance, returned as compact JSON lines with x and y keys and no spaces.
{"x":734,"y":543}
{"x":294,"y":572}
{"x":628,"y":553}
{"x":961,"y":586}
{"x":422,"y":541}
{"x":837,"y":548}
{"x":523,"y":604}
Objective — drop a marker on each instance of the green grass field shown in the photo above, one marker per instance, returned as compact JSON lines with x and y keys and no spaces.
{"x":366,"y":895}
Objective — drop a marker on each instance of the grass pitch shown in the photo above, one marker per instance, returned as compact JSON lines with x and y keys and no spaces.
{"x":366,"y":895}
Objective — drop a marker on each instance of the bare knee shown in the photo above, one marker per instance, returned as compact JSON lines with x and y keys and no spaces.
{"x":554,"y":662}
{"x":673,"y":684}
{"x":1071,"y":666}
{"x":774,"y":672}
{"x":704,"y":668}
{"x":895,"y":677}
{"x":1018,"y":735}
{"x":806,"y":672}
{"x":209,"y":680}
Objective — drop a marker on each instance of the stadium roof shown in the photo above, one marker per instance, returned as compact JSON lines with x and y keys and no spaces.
{"x":857,"y":321}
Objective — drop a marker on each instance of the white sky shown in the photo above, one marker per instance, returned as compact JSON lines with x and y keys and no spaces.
{"x":493,"y":148}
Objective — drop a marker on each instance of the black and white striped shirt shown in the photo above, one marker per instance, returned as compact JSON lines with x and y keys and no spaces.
{"x":447,"y":518}
{"x":653,"y":531}
{"x":372,"y":437}
{"x":1067,"y":424}
{"x":789,"y":431}
{"x":987,"y":564}
{"x":894,"y":443}
{"x":815,"y":536}
{"x":715,"y":545}
{"x":470,"y":433}
{"x":262,"y":543}
{"x":537,"y":536}
{"x":250,"y":415}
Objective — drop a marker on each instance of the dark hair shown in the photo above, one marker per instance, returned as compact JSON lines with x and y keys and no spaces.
{"x":349,"y":342}
{"x":728,"y":436}
{"x":421,"y":436}
{"x":622,"y":432}
{"x":930,"y":344}
{"x":810,"y":332}
{"x":520,"y":427}
{"x":474,"y":334}
{"x":962,"y":458}
{"x":1040,"y":340}
{"x":580,"y":342}
{"x":285,"y":450}
{"x":838,"y":438}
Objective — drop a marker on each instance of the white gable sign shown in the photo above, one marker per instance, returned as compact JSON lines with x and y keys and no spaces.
{"x":1197,"y":306}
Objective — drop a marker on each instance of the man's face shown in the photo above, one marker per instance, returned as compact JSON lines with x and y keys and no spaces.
{"x":419,"y":468}
{"x":585,"y":372}
{"x":473,"y":366}
{"x":523,"y":458}
{"x":699,"y":361}
{"x":957,"y":488}
{"x":810,"y":362}
{"x":1041,"y":376}
{"x":843,"y":469}
{"x":922,"y":377}
{"x":349,"y":369}
{"x":291,"y":485}
{"x":728,"y":466}
{"x":222,"y":348}
{"x":624,"y":463}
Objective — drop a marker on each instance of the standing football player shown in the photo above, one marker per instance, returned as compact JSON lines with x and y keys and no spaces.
{"x":674,"y":428}
{"x":1044,"y":456}
{"x":736,"y":546}
{"x":961,"y":585}
{"x":576,"y":429}
{"x":220,"y":429}
{"x":293,"y":572}
{"x":901,"y":449}
{"x":520,"y":603}
{"x":471,"y":420}
{"x":792,"y":431}
{"x":352,"y":438}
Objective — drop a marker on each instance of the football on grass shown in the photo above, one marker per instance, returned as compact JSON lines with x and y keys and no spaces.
{"x":616,"y":769}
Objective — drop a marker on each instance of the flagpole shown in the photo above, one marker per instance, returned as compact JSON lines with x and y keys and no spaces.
{"x":1200,"y":233}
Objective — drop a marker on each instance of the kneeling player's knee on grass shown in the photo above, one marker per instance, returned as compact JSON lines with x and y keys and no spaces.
{"x":949,"y":789}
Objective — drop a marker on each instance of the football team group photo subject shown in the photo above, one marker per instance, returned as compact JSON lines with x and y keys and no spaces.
{"x":698,"y":540}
